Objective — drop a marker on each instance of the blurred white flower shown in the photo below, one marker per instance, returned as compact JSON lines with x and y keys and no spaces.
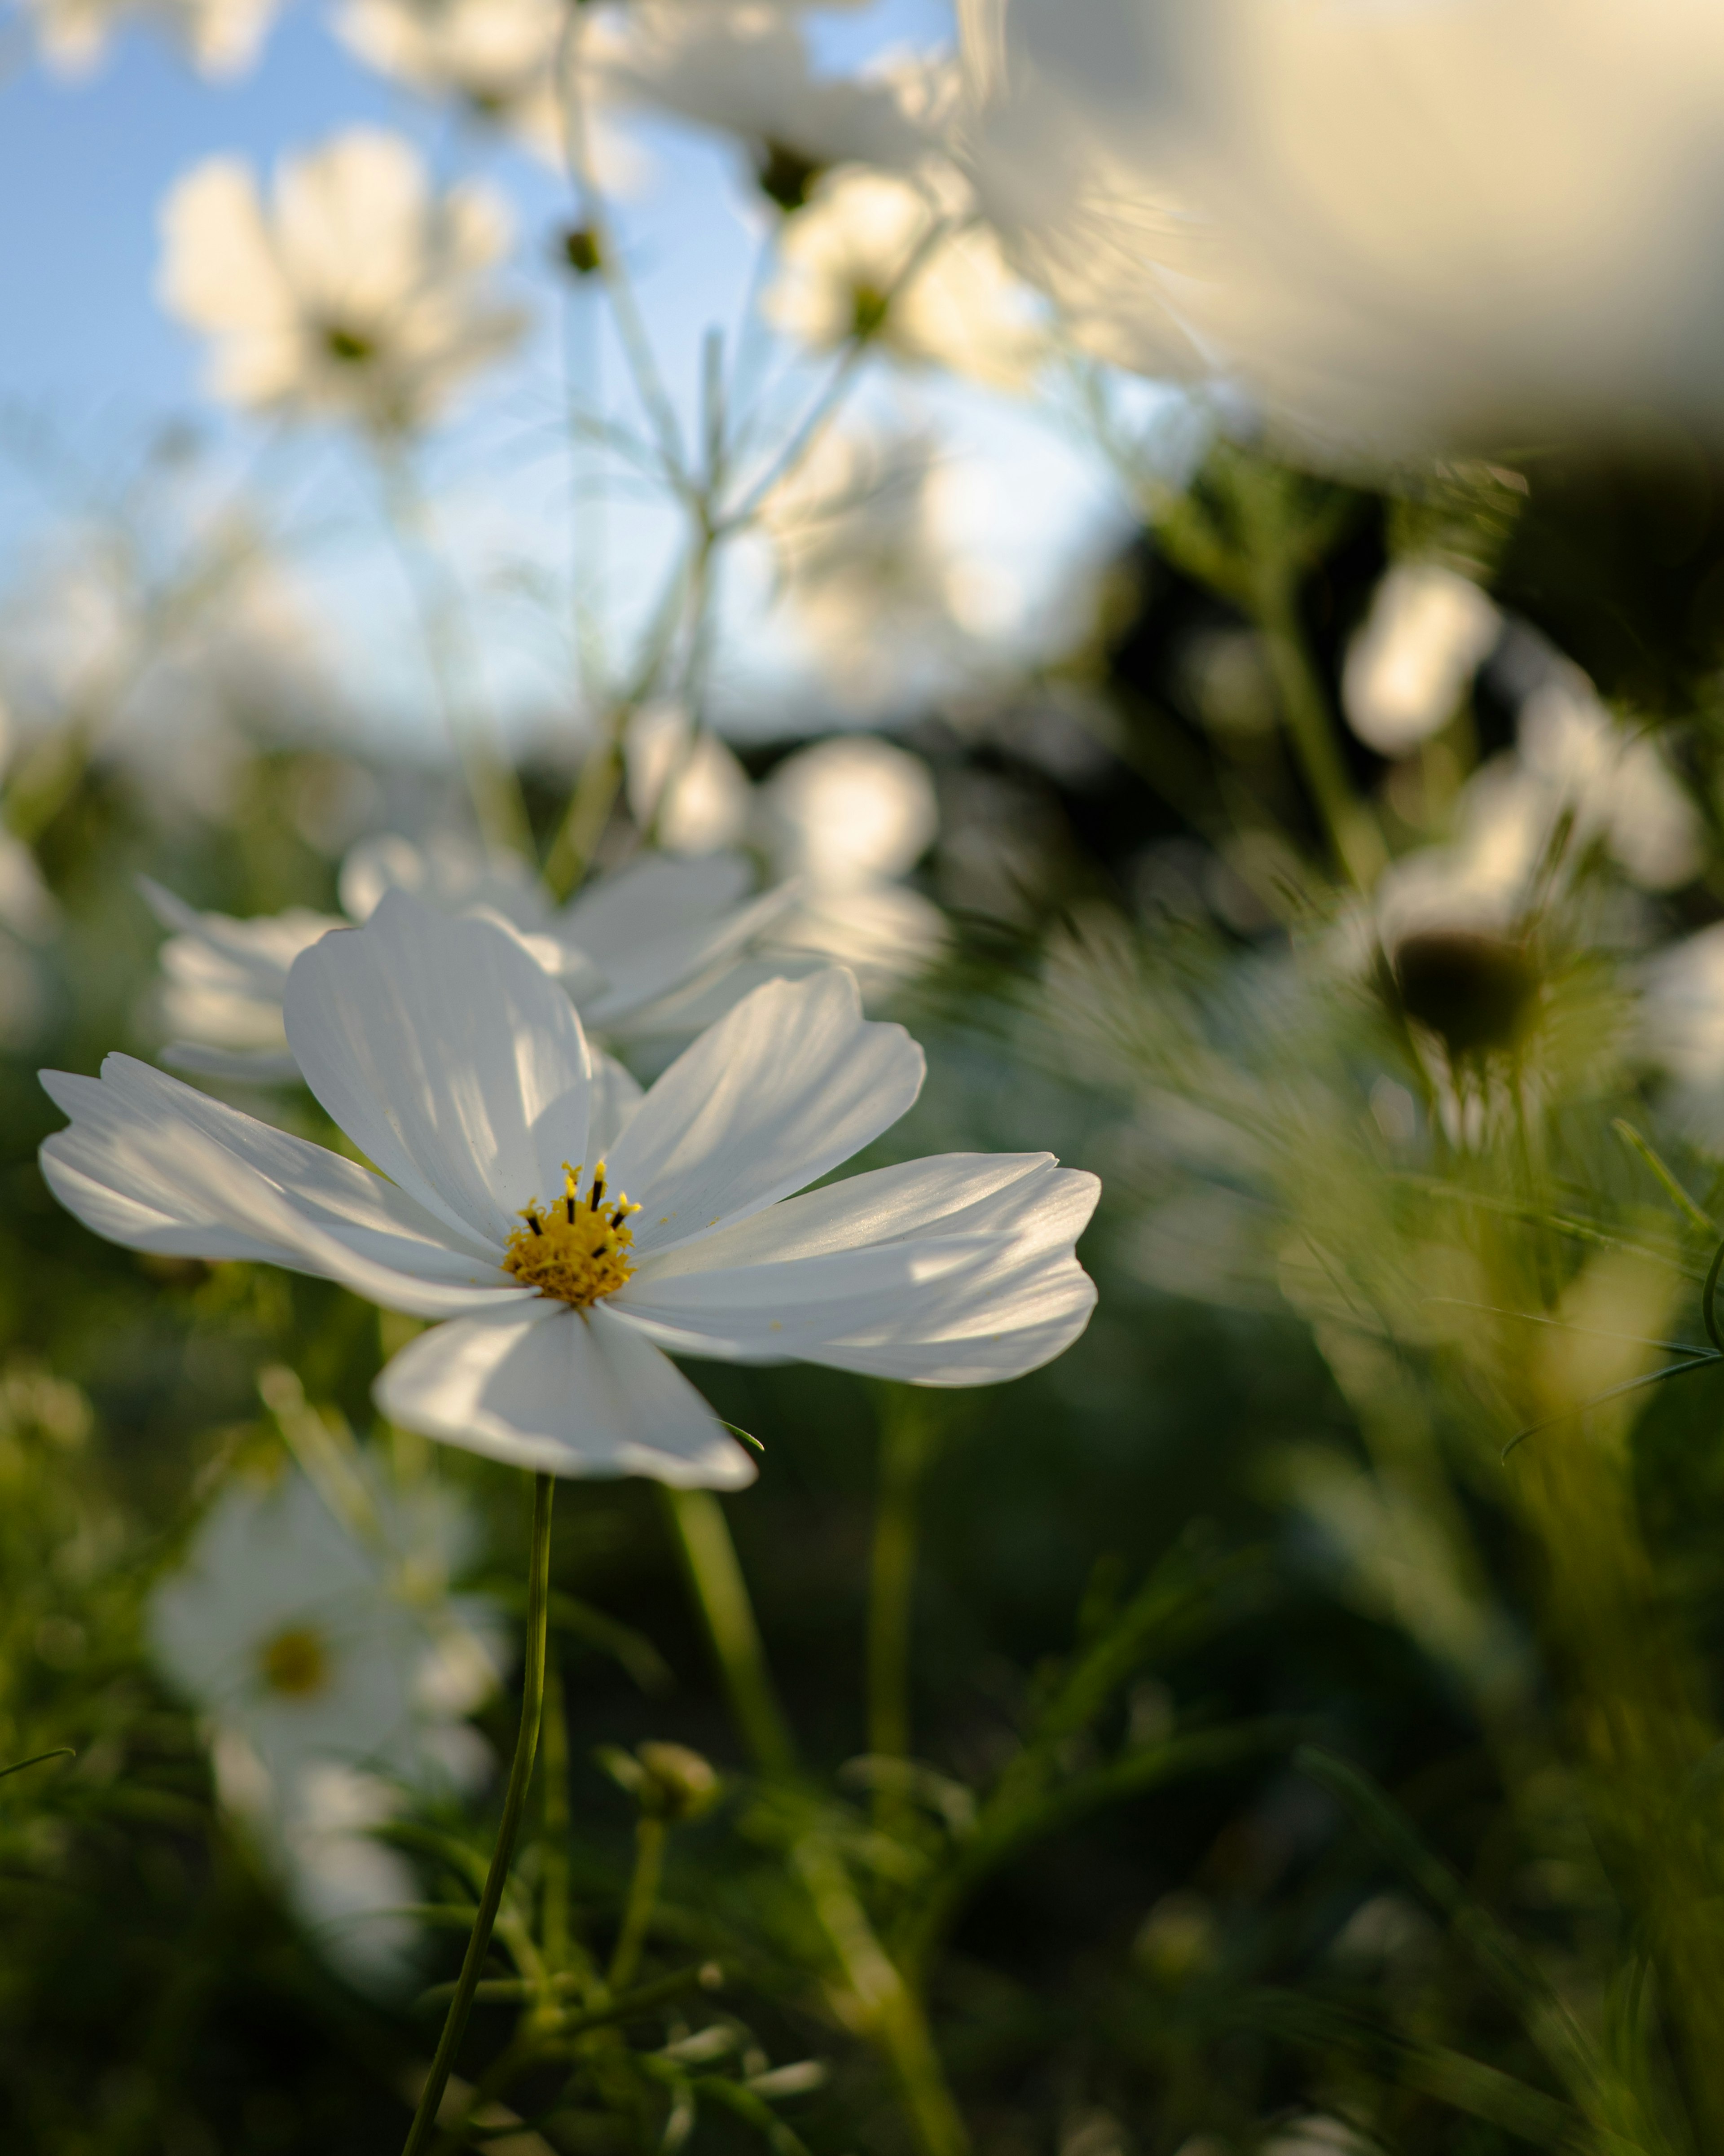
{"x":1682,"y":1029}
{"x":496,"y":57}
{"x":902,"y":260}
{"x":628,"y":948}
{"x":312,"y":1651}
{"x":452,"y":1060}
{"x":1576,"y":764}
{"x":744,"y":67}
{"x":1437,"y":220}
{"x":864,"y":566}
{"x":1428,"y":632}
{"x":222,"y":37}
{"x":1614,"y":779}
{"x":360,"y":294}
{"x":684,"y":786}
{"x":847,"y":818}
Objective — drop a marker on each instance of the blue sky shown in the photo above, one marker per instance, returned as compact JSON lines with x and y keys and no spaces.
{"x":85,"y":163}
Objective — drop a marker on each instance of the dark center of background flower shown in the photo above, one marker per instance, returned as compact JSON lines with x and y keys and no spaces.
{"x":295,"y":1662}
{"x":1475,"y":992}
{"x":785,"y":176}
{"x":349,"y":346}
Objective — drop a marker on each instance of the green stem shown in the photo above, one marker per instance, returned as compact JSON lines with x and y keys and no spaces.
{"x":514,"y":1803}
{"x":554,"y":1800}
{"x":887,"y":2009}
{"x":716,"y":1578}
{"x":1354,"y":838}
{"x":642,"y":1895}
{"x":903,"y":1455}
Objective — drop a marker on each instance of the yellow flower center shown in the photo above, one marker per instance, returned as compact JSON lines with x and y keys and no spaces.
{"x":573,"y":1250}
{"x":295,"y":1662}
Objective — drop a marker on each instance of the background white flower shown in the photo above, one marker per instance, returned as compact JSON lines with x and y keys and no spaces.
{"x":903,"y":259}
{"x":1428,"y":630}
{"x":361,"y":293}
{"x":848,"y":819}
{"x":319,"y":1659}
{"x":222,"y":37}
{"x":496,"y":57}
{"x":451,"y":1060}
{"x":1428,"y":221}
{"x":630,"y":948}
{"x":745,"y":69}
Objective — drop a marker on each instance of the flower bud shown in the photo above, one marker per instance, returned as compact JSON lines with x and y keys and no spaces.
{"x":667,"y":1781}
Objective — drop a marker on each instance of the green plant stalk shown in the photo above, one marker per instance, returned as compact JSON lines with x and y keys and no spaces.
{"x":649,"y":1837}
{"x":885,"y":2009}
{"x":720,"y":1594}
{"x":903,"y":1456}
{"x":1354,"y":838}
{"x":424,"y":2124}
{"x":554,"y":1812}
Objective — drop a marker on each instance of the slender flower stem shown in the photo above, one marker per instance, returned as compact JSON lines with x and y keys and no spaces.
{"x":1353,"y":836}
{"x":710,"y":1557}
{"x":538,"y":1599}
{"x":650,"y":1836}
{"x":903,"y":1455}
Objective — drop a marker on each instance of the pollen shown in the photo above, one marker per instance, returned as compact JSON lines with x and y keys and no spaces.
{"x":576,"y":1249}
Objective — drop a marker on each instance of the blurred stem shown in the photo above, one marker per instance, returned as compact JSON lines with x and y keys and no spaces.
{"x":1354,"y":840}
{"x":554,"y":1853}
{"x":722,"y":1594}
{"x":649,"y":1836}
{"x":1641,"y":1730}
{"x":885,"y":2007}
{"x":450,"y":654}
{"x":455,"y":2026}
{"x":600,"y":780}
{"x":905,"y":1433}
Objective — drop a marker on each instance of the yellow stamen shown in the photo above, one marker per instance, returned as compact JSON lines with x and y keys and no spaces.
{"x":573,"y":1250}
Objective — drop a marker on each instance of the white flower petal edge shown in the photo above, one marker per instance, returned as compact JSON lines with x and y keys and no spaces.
{"x":504,"y":1387}
{"x":156,"y":1165}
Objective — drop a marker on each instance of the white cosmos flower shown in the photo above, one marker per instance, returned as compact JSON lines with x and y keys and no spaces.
{"x":497,"y":57}
{"x":630,"y":948}
{"x":904,"y":260}
{"x":222,"y":37}
{"x":1428,"y":632}
{"x":745,"y":68}
{"x":1412,"y":219}
{"x":452,"y":1061}
{"x":333,"y":1673}
{"x":848,"y":819}
{"x":361,"y":293}
{"x":865,"y":566}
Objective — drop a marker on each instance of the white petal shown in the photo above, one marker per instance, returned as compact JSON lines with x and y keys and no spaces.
{"x":1024,"y":1194}
{"x":563,"y":1391}
{"x":792,"y":1081}
{"x":988,"y":1287}
{"x":772,"y":1313}
{"x":450,"y":1058}
{"x":157,"y":1166}
{"x":616,"y":1096}
{"x":652,"y":897}
{"x":680,"y":956}
{"x":238,"y":1066}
